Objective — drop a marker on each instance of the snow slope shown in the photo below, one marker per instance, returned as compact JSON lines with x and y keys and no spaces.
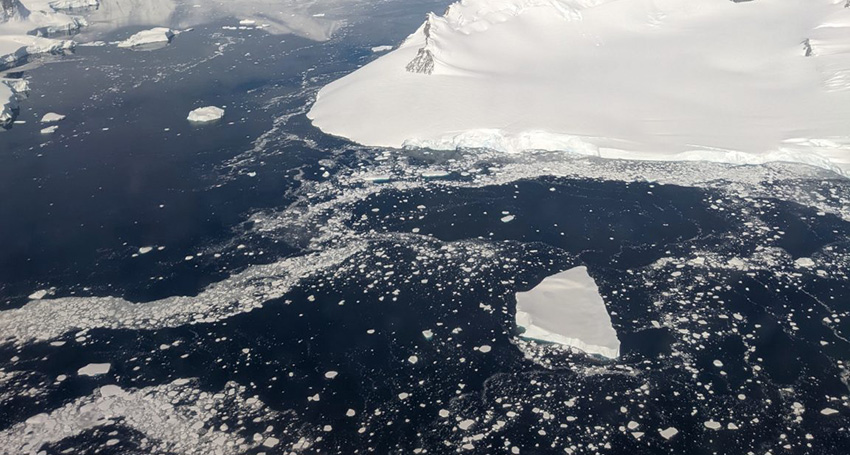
{"x":566,"y":308}
{"x":749,"y":82}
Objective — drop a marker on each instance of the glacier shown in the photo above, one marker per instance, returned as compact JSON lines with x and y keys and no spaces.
{"x":668,"y":80}
{"x":567,"y":309}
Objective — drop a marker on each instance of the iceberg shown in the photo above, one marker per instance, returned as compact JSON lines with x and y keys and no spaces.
{"x":566,"y":309}
{"x":206,"y":114}
{"x":11,"y":90}
{"x":157,"y":36}
{"x":52,"y":117}
{"x":8,"y":103}
{"x":14,"y":48}
{"x":671,"y":80}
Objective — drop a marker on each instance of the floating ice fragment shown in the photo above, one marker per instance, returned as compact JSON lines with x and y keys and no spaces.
{"x":804,"y":263}
{"x":206,"y":114}
{"x":712,"y":424}
{"x":94,"y":369}
{"x":38,"y":295}
{"x":566,"y":308}
{"x":668,"y":433}
{"x":51,"y":117}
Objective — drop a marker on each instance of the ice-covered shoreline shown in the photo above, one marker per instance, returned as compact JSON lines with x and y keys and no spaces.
{"x":743,"y":83}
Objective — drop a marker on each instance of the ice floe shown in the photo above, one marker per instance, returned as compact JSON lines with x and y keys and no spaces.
{"x":94,"y":369}
{"x":566,"y":308}
{"x":206,"y":114}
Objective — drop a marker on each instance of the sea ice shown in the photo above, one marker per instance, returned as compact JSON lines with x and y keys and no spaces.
{"x":566,"y":308}
{"x":679,"y":80}
{"x":206,"y":114}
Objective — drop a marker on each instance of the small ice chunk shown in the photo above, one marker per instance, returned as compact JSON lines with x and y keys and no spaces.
{"x":466,"y":424}
{"x":485,"y":348}
{"x":350,"y":413}
{"x":331,"y":374}
{"x":428,"y":334}
{"x":38,"y":295}
{"x":49,"y":129}
{"x":508,"y":219}
{"x":668,"y":433}
{"x":145,"y":249}
{"x":206,"y":114}
{"x":712,"y":424}
{"x":111,"y":391}
{"x":52,"y":117}
{"x":379,"y":49}
{"x":94,"y":369}
{"x":413,"y":359}
{"x":804,"y":263}
{"x":271,"y":442}
{"x":828,"y":411}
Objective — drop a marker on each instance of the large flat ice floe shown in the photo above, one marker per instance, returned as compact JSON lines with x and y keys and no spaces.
{"x":714,"y":80}
{"x":566,"y":309}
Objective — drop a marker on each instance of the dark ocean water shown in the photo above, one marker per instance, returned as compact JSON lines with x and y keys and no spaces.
{"x":126,"y":171}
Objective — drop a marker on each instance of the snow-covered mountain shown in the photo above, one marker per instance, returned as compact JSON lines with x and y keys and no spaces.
{"x":719,"y":80}
{"x":10,"y":9}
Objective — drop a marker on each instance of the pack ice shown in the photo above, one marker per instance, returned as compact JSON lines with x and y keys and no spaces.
{"x":715,"y":80}
{"x":566,"y":309}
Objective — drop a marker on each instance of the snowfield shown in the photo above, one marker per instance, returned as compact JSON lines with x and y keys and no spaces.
{"x":566,"y":309}
{"x":712,"y":80}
